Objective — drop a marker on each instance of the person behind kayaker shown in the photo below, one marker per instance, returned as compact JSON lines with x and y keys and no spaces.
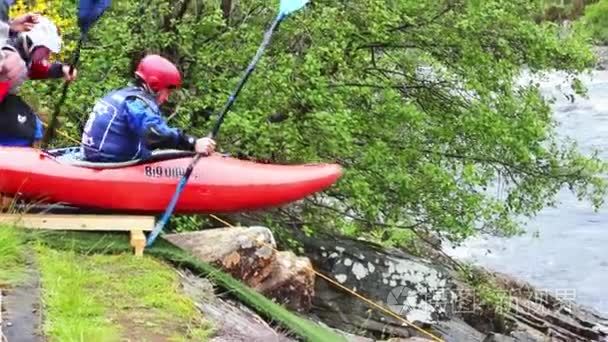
{"x":19,"y":124}
{"x":11,"y":64}
{"x":128,"y":124}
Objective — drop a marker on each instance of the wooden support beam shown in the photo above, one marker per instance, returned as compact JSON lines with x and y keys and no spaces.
{"x":138,"y":241}
{"x":134,"y":224}
{"x":5,"y":202}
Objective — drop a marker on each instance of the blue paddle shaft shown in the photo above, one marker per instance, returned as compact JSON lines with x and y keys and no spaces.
{"x":248,"y":72}
{"x":160,"y":225}
{"x":169,"y":211}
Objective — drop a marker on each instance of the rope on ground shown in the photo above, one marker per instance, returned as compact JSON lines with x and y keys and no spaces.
{"x":354,"y":293}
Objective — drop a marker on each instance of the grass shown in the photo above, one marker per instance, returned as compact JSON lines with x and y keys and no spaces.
{"x":115,"y":297}
{"x":12,"y":256}
{"x":117,"y":244}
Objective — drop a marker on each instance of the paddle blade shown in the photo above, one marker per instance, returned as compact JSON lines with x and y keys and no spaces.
{"x":89,"y":12}
{"x":289,"y":6}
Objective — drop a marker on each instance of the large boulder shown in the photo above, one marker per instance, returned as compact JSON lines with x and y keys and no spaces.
{"x":415,"y":289}
{"x":249,"y":254}
{"x":432,"y":297}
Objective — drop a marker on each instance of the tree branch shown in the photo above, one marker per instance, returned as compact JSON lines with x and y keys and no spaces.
{"x":226,"y":9}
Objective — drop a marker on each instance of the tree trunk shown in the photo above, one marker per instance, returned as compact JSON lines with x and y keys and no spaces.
{"x":226,"y":9}
{"x":250,"y":254}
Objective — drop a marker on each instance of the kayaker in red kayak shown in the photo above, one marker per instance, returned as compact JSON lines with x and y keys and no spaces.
{"x":19,"y":124}
{"x":128,"y":124}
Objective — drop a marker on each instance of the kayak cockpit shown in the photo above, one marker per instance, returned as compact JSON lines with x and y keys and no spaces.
{"x":74,"y":156}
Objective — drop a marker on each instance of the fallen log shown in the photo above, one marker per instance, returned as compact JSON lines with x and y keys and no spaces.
{"x":250,"y":254}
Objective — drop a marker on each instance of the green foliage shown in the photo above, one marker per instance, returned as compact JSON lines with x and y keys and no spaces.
{"x":417,"y":100}
{"x":488,"y":294}
{"x":561,"y":10}
{"x":188,"y":223}
{"x":595,"y":19}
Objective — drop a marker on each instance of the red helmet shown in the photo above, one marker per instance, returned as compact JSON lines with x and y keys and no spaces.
{"x":159,"y":73}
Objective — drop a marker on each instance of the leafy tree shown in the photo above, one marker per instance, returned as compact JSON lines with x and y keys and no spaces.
{"x":595,"y":21}
{"x":418,"y":100}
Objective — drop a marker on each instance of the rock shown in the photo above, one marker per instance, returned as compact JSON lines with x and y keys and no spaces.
{"x":411,"y":339}
{"x":431,"y":296}
{"x":231,"y":321}
{"x":249,"y":254}
{"x":456,"y":329}
{"x":601,"y":52}
{"x":535,"y":314}
{"x":522,"y":336}
{"x":498,"y":338}
{"x":411,"y":287}
{"x":354,"y":338}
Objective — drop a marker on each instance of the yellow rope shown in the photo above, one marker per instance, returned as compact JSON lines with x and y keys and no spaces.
{"x":366,"y":300}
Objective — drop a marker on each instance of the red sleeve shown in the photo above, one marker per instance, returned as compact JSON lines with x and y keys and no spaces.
{"x":44,"y":69}
{"x":4,"y":89}
{"x":39,"y":70}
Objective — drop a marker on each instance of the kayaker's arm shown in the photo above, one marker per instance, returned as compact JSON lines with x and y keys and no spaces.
{"x":180,"y":141}
{"x":153,"y":129}
{"x":44,"y":70}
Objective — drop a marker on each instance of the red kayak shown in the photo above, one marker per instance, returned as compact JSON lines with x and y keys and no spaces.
{"x":217,"y":184}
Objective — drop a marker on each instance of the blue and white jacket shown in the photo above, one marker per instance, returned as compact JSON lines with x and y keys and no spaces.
{"x":127,"y":124}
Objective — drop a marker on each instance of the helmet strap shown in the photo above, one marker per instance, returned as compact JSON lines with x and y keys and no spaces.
{"x":26,"y":45}
{"x":144,"y":85}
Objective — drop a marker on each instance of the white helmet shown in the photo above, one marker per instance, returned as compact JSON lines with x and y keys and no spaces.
{"x":44,"y":33}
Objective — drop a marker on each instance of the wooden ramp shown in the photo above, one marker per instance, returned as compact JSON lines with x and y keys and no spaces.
{"x":135,"y":224}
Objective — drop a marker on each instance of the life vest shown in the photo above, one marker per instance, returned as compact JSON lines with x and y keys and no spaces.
{"x":107,"y":135}
{"x":17,"y":119}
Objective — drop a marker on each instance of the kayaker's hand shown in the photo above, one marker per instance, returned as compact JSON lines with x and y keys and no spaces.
{"x":205,"y":146}
{"x":66,"y":73}
{"x":24,"y":22}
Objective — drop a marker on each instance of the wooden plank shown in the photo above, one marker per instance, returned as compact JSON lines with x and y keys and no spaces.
{"x":80,"y":222}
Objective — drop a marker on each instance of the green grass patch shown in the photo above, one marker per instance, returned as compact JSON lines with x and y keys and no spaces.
{"x":113,"y":298}
{"x":116,"y":243}
{"x":12,"y":256}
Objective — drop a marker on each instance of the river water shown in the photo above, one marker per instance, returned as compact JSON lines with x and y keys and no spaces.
{"x":565,"y":249}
